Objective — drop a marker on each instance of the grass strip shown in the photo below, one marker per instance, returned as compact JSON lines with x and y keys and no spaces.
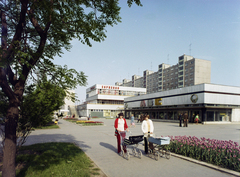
{"x":54,"y":159}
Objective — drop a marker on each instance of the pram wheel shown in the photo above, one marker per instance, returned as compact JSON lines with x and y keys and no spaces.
{"x":168,"y":154}
{"x":156,"y":156}
{"x":139,"y":154}
{"x":121,"y":153}
{"x":160,"y":152}
{"x":134,"y":152}
{"x":127,"y":156}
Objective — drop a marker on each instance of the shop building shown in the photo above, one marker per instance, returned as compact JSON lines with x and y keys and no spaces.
{"x":214,"y":103}
{"x":106,"y":101}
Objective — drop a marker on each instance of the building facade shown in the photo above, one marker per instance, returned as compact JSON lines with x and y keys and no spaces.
{"x":213,"y":103}
{"x":68,"y":109}
{"x":187,"y":72}
{"x":106,"y":101}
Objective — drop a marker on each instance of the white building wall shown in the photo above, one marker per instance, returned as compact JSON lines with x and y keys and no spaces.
{"x":216,"y":95}
{"x":211,"y":98}
{"x":235,"y":115}
{"x":97,"y":94}
{"x":104,"y":107}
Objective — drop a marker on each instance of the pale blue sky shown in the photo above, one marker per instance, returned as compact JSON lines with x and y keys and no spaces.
{"x":160,"y":32}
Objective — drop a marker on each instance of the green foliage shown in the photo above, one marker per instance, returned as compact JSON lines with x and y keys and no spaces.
{"x":39,"y":104}
{"x":33,"y":33}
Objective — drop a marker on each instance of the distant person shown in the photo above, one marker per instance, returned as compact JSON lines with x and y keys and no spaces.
{"x":147,"y":129}
{"x":185,"y":118}
{"x":132,"y":121}
{"x":139,"y":118}
{"x":180,"y":117}
{"x":142,"y":118}
{"x":55,"y":119}
{"x":196,"y":119}
{"x":121,"y":126}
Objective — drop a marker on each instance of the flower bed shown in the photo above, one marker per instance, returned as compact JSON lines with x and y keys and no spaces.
{"x":222,"y":153}
{"x":89,"y":122}
{"x":70,"y":119}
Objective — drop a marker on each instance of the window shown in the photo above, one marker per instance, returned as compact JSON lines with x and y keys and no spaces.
{"x":210,"y":115}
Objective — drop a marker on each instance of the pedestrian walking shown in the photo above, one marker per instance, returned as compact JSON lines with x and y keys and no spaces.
{"x":196,"y":119}
{"x":180,"y":117}
{"x":139,"y":118}
{"x":185,"y":117}
{"x":132,"y":121}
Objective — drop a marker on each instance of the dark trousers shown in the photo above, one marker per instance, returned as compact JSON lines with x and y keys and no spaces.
{"x":185,"y":122}
{"x":147,"y":144}
{"x":180,"y":122}
{"x":120,"y":139}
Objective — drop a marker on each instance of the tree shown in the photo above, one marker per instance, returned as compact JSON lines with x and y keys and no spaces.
{"x":37,"y":107}
{"x":33,"y":32}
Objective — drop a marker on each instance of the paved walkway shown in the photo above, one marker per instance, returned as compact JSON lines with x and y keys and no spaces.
{"x":99,"y":143}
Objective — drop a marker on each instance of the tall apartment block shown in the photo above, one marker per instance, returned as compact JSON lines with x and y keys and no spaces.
{"x":187,"y":72}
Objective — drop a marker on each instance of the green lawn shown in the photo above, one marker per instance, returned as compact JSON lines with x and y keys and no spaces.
{"x":54,"y":159}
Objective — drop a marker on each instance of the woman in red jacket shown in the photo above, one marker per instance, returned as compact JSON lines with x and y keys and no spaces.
{"x":120,"y":127}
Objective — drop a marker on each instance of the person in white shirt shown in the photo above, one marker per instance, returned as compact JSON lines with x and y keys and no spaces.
{"x":147,"y":128}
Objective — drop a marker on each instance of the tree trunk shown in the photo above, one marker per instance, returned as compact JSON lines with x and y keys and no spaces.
{"x":9,"y":151}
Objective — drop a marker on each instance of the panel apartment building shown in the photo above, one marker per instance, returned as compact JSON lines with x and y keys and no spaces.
{"x":187,"y":72}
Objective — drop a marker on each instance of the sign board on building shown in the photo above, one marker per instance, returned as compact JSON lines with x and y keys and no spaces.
{"x":110,"y":87}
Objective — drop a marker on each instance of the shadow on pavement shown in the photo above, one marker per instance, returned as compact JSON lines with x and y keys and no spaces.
{"x":44,"y":138}
{"x":109,"y":146}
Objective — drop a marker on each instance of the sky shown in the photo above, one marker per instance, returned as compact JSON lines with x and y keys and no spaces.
{"x":159,"y":32}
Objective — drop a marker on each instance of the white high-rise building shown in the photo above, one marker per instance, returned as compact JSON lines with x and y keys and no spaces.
{"x":187,"y":72}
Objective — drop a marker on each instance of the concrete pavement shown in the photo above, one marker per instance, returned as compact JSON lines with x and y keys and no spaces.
{"x":99,"y":143}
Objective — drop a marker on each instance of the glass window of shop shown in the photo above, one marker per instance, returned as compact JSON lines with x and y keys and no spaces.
{"x":219,"y":115}
{"x":170,"y":115}
{"x":161,"y":115}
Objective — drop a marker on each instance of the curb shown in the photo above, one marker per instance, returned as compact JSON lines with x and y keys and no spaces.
{"x":231,"y":172}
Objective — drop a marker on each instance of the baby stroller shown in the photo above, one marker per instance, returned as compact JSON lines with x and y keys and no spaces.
{"x":157,"y":147}
{"x":131,"y":141}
